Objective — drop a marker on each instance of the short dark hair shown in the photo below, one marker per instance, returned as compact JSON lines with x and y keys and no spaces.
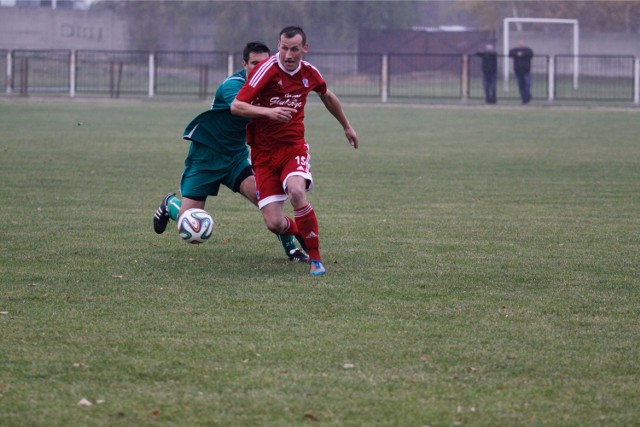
{"x":292,"y":31}
{"x":254,"y":47}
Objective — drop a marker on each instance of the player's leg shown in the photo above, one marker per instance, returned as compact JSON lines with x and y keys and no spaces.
{"x":177,"y":207}
{"x":271,"y":196}
{"x":306,"y":221}
{"x":271,"y":204}
{"x":200,"y":178}
{"x":161,"y":216}
{"x":285,"y":230}
{"x":203,"y":173}
{"x":297,"y":180}
{"x":247,"y":187}
{"x":172,"y":207}
{"x":275,"y":219}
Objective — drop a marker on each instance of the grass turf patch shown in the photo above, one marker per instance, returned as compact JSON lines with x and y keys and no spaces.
{"x":482,"y":270}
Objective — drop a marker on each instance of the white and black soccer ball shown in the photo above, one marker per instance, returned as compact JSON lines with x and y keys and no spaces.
{"x":195,"y":226}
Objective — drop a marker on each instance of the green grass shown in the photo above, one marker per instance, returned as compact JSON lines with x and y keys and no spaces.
{"x":482,"y":270}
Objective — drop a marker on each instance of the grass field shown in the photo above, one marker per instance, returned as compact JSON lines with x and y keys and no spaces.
{"x":483,"y":269}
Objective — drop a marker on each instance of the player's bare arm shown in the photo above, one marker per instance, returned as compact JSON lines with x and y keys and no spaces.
{"x":332,"y":103}
{"x":281,"y":114}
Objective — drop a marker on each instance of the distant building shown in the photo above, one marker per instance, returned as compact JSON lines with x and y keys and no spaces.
{"x":32,"y":25}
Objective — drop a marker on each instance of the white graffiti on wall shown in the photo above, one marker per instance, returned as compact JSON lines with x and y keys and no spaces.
{"x":81,"y":32}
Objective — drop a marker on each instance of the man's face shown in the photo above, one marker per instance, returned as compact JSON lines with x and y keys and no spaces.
{"x":291,"y":51}
{"x":254,"y":59}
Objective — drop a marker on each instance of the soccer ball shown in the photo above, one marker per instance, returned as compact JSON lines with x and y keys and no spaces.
{"x":195,"y":226}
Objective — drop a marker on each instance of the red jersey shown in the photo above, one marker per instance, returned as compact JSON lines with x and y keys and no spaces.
{"x":270,"y":85}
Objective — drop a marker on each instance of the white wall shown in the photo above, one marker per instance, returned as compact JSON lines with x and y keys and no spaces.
{"x":43,"y":28}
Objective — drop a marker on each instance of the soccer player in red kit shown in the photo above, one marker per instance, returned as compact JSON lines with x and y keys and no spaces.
{"x":274,"y":96}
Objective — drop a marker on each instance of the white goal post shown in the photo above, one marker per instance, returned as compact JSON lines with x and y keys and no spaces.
{"x":505,"y":41}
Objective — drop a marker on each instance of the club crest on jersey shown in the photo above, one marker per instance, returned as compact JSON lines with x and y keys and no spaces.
{"x":305,"y":82}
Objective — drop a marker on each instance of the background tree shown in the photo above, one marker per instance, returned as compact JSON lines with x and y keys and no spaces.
{"x":336,"y":23}
{"x":602,"y":15}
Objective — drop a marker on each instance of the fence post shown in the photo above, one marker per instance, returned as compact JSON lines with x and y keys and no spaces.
{"x":230,"y":64}
{"x":24,"y":76}
{"x":152,"y":74}
{"x":115,"y":78}
{"x":551,"y":78}
{"x":112,"y":80}
{"x":465,"y":77}
{"x":384,"y":81}
{"x":8,"y":83}
{"x":636,"y":81}
{"x":203,"y":81}
{"x":72,"y":74}
{"x":119,"y":80}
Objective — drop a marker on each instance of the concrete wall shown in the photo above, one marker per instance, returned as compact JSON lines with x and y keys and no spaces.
{"x":42,"y":28}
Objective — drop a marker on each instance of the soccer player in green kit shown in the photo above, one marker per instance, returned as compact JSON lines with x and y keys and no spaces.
{"x":218,"y":155}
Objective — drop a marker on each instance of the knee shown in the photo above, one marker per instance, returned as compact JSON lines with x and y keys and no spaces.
{"x":275,"y":224}
{"x":298,"y":196}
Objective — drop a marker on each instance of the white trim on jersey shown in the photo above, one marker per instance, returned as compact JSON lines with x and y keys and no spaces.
{"x":283,"y":68}
{"x":272,"y":199}
{"x":312,"y":66}
{"x":306,"y":175}
{"x":188,"y":136}
{"x":235,"y":78}
{"x":261,"y":71}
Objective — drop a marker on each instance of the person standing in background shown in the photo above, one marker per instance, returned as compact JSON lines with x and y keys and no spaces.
{"x":522,"y":56}
{"x":489,"y":72}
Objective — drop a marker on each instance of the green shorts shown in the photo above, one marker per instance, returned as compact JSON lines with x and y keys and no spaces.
{"x":205,"y":169}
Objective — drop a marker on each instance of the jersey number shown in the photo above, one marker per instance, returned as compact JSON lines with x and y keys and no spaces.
{"x":303,"y":163}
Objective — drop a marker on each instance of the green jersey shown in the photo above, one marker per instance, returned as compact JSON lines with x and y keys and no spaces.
{"x":217,"y":128}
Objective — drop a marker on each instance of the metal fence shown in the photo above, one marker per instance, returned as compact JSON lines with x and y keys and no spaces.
{"x":189,"y":73}
{"x":350,"y":75}
{"x":359,"y":76}
{"x":425,"y":76}
{"x":116,"y":73}
{"x":3,"y":66}
{"x":40,"y":71}
{"x":603,"y":77}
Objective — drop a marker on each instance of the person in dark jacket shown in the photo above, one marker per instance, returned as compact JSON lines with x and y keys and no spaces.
{"x":489,"y":72}
{"x":522,"y":56}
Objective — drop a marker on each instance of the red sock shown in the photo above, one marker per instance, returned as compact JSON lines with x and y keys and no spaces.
{"x":308,"y":227}
{"x":292,"y":228}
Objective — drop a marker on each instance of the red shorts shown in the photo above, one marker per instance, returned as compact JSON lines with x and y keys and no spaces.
{"x":273,"y":168}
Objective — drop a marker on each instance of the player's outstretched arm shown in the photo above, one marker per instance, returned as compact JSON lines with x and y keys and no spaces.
{"x":332,"y":103}
{"x":281,"y":114}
